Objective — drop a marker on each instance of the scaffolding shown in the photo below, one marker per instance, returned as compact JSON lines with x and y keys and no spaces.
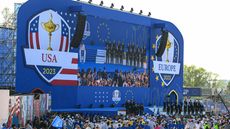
{"x":8,"y":52}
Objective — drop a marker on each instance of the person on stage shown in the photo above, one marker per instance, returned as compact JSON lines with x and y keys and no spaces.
{"x":82,"y":52}
{"x":189,"y":106}
{"x":107,"y":52}
{"x":171,"y":108}
{"x":176,"y":107}
{"x":180,"y":108}
{"x":185,"y":106}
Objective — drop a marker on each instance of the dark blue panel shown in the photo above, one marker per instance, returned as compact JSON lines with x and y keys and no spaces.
{"x":192,"y":92}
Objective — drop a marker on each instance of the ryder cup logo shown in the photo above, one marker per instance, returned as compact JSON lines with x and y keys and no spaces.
{"x":167,"y":66}
{"x":48,"y":49}
{"x":86,"y":31}
{"x":116,"y":96}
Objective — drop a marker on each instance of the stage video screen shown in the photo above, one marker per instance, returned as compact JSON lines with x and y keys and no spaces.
{"x":113,"y":53}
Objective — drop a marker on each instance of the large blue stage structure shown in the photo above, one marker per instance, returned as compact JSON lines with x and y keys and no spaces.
{"x":114,"y":61}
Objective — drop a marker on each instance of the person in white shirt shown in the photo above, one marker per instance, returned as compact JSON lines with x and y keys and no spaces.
{"x":198,"y":125}
{"x":82,"y":53}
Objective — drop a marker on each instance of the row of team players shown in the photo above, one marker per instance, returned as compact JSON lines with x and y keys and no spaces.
{"x":134,"y":55}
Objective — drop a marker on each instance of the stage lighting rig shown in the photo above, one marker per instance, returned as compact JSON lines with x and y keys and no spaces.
{"x":112,"y":5}
{"x":140,"y":12}
{"x":90,"y":1}
{"x":149,"y":14}
{"x":131,"y":10}
{"x":122,"y":7}
{"x":101,"y":4}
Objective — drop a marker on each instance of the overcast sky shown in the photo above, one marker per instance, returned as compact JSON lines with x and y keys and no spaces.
{"x":204,"y":25}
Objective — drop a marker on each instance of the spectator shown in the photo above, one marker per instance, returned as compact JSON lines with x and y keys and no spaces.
{"x":28,"y":125}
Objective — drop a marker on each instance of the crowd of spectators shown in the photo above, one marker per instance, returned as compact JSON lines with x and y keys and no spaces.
{"x":116,"y":79}
{"x":146,"y":121}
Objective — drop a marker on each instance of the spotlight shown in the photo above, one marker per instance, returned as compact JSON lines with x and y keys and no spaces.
{"x":90,"y":1}
{"x":78,"y":0}
{"x":131,"y":10}
{"x":140,"y":12}
{"x":101,"y":4}
{"x":122,"y":7}
{"x":112,"y":5}
{"x":149,"y":14}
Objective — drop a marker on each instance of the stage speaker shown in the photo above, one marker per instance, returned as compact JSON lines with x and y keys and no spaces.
{"x":101,"y":105}
{"x":163,"y":43}
{"x":112,"y":105}
{"x":79,"y":32}
{"x":78,"y":106}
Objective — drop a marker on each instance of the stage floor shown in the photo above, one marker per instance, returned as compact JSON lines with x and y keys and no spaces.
{"x":90,"y":109}
{"x":104,"y":111}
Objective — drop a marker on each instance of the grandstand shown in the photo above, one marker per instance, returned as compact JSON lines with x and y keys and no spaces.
{"x":7,"y":57}
{"x":8,"y":50}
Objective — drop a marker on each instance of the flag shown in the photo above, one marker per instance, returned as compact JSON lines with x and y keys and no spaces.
{"x":14,"y":110}
{"x":158,"y":111}
{"x":33,"y":34}
{"x":57,"y":122}
{"x":101,"y":56}
{"x":18,"y":101}
{"x":64,"y":45}
{"x":68,"y":75}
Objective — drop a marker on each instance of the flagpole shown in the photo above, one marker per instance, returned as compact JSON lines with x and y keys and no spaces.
{"x":50,"y":125}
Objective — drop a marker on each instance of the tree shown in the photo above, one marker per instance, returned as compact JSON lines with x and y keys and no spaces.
{"x":194,"y":76}
{"x":8,"y":18}
{"x":199,"y":77}
{"x":228,"y":87}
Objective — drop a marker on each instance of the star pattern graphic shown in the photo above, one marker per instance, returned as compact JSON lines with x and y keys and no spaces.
{"x":157,"y":36}
{"x":71,"y":21}
{"x":129,"y":94}
{"x":101,"y":97}
{"x":152,"y":58}
{"x":153,"y":46}
{"x":157,"y":78}
{"x":162,"y":84}
{"x":103,"y":32}
{"x":176,"y":53}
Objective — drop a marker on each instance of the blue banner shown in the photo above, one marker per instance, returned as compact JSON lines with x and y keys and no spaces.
{"x":192,"y":92}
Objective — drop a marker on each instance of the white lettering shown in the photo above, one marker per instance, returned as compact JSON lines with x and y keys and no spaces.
{"x":166,"y":67}
{"x":50,"y":58}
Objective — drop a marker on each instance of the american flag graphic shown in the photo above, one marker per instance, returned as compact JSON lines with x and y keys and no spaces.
{"x":33,"y":34}
{"x":14,"y":110}
{"x":64,"y":45}
{"x":67,"y":75}
{"x":18,"y":101}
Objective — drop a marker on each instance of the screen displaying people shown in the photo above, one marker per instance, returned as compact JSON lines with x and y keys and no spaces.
{"x":114,"y":57}
{"x":118,"y":78}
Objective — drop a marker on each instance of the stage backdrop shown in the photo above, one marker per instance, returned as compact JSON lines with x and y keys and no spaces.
{"x":114,"y":61}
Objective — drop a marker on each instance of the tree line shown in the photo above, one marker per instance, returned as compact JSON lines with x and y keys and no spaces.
{"x":199,"y":77}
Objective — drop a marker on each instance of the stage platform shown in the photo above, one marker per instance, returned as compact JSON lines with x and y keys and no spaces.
{"x":107,"y":110}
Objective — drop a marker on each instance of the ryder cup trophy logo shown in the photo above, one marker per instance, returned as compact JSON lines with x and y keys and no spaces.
{"x":167,"y":66}
{"x":116,"y":96}
{"x":49,"y":49}
{"x":50,"y":27}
